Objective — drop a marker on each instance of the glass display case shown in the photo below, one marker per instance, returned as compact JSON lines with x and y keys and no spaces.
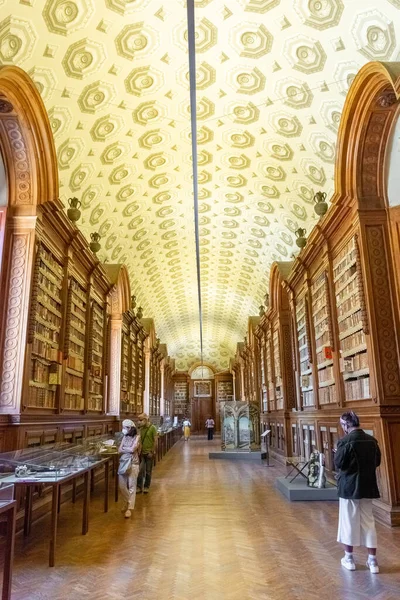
{"x":235,"y":426}
{"x":94,"y":447}
{"x":6,"y":492}
{"x":42,"y":465}
{"x":239,"y":426}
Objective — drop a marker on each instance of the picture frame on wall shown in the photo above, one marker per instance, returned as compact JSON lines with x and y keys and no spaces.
{"x":202,"y":389}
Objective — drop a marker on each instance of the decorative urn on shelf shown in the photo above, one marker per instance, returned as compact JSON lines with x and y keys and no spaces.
{"x":321,"y":206}
{"x":139,"y":313}
{"x":301,"y":240}
{"x":94,"y":244}
{"x":74,"y":214}
{"x":261,"y":310}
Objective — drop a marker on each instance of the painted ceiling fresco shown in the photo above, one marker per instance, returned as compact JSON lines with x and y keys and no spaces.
{"x":272,"y":76}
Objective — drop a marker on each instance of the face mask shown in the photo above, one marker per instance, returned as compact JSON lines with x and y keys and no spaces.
{"x":125,"y":430}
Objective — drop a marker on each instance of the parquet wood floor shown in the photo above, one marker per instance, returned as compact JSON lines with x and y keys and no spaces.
{"x":209,"y":530}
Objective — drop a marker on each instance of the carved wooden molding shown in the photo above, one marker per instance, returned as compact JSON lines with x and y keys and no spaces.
{"x":384,"y":318}
{"x":386,"y":99}
{"x":29,"y":149}
{"x":14,"y":320}
{"x":5,"y":107}
{"x":17,"y":156}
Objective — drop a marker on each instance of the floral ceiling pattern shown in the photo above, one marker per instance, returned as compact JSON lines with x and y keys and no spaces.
{"x":272,"y":76}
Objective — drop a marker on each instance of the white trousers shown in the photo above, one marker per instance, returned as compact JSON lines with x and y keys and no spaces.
{"x":356,"y":523}
{"x":127,"y":486}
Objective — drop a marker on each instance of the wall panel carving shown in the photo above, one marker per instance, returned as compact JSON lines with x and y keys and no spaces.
{"x":385,"y":325}
{"x":14,"y":325}
{"x":11,"y":129}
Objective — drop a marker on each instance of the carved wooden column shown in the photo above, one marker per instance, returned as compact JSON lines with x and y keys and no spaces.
{"x":21,"y":243}
{"x":383,"y":319}
{"x":114,"y":396}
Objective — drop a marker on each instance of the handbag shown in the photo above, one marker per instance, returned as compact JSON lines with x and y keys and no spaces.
{"x":125,"y":464}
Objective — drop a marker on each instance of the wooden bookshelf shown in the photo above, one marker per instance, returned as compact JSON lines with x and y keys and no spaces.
{"x":304,"y":350}
{"x":270,"y":370}
{"x":96,"y":357}
{"x":181,"y":397}
{"x":350,"y":303}
{"x":75,"y":345}
{"x":125,"y":368}
{"x":277,"y":370}
{"x":323,"y":339}
{"x":132,"y":369}
{"x":45,"y":330}
{"x":140,"y":371}
{"x":224,"y":390}
{"x":264,"y":376}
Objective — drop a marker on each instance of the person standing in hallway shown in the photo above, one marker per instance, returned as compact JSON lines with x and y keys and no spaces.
{"x":357,"y":458}
{"x":210,"y":424}
{"x":128,"y":470}
{"x":186,"y":425}
{"x":149,"y":437}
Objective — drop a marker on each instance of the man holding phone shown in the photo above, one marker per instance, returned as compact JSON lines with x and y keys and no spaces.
{"x":356,"y":458}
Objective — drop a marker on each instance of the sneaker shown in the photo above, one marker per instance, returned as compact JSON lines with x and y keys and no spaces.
{"x":127,"y":514}
{"x":139,"y":490}
{"x":146,"y":490}
{"x":348,"y":563}
{"x":373,"y":566}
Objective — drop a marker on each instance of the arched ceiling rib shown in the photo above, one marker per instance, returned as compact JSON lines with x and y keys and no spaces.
{"x":272,"y":76}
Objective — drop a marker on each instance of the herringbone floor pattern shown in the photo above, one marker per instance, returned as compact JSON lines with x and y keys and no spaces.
{"x":209,"y":530}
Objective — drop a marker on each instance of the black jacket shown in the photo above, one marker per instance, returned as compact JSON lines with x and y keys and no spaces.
{"x":357,"y":458}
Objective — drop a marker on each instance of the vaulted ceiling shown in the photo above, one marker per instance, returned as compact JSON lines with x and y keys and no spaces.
{"x":272,"y":76}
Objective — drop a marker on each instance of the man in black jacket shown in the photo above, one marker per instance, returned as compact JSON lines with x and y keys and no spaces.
{"x":357,"y":457}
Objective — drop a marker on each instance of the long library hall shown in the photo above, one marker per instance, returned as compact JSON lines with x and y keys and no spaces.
{"x":200,"y":316}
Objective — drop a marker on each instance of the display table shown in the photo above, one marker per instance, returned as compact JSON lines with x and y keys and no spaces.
{"x":9,"y":510}
{"x":55,"y":483}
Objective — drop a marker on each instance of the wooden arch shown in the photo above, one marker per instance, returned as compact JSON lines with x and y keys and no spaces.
{"x":198,"y":363}
{"x":121,"y":294}
{"x":26,"y":142}
{"x":278,"y":297}
{"x":369,"y":111}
